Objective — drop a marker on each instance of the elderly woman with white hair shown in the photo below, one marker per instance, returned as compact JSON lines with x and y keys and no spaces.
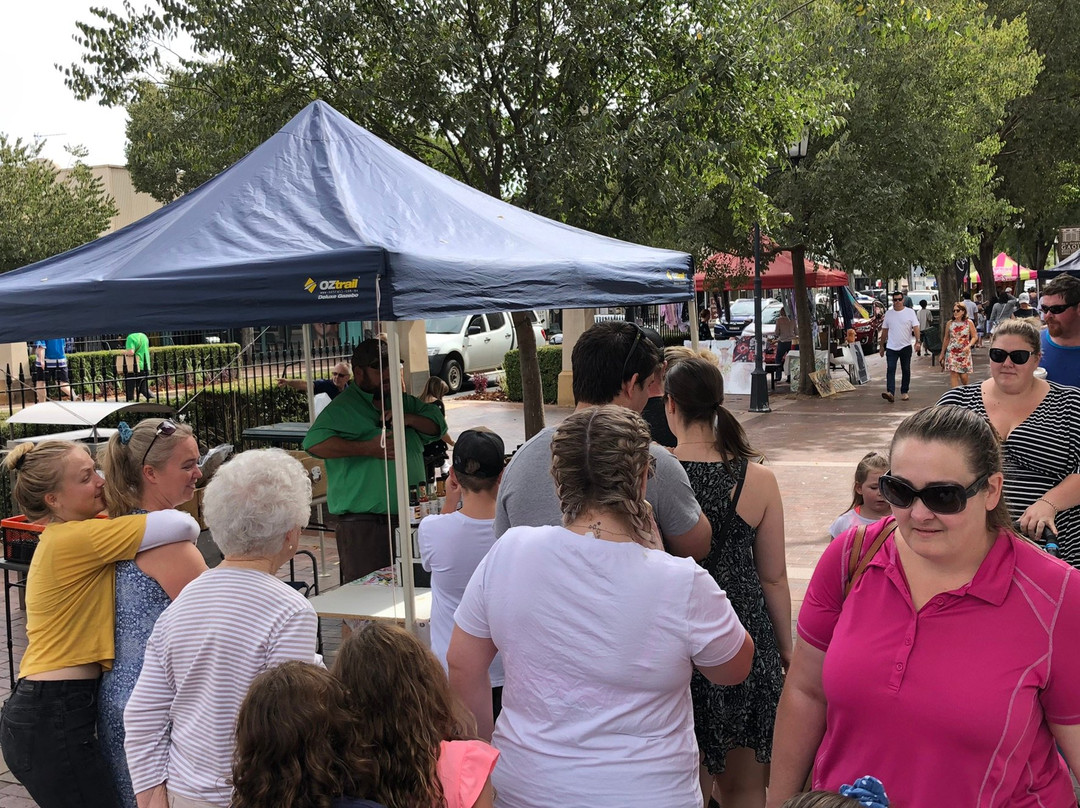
{"x":227,"y":626}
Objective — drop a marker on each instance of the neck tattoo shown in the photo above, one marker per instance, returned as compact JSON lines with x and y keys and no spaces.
{"x":596,"y":528}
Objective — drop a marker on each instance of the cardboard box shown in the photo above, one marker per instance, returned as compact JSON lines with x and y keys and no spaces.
{"x":316,"y":469}
{"x":194,"y":506}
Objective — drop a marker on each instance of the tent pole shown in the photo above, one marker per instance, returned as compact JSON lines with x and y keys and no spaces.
{"x":401,"y":472}
{"x":693,"y":323}
{"x":309,"y":370}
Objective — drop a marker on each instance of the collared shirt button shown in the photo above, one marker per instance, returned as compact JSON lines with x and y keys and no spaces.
{"x":907,"y":640}
{"x":899,"y":666}
{"x":939,"y":601}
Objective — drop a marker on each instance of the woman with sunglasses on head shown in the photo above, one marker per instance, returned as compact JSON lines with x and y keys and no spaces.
{"x":1039,"y":426}
{"x":47,"y":729}
{"x":948,"y":667}
{"x":956,"y":351}
{"x":151,"y":467}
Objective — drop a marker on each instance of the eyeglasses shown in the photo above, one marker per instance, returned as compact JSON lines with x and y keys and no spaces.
{"x":999,"y":355}
{"x":637,"y":338}
{"x":165,"y":428}
{"x":898,"y":297}
{"x":1061,"y":308}
{"x":941,"y":498}
{"x":339,"y":375}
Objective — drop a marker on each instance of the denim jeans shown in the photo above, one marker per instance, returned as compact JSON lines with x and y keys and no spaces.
{"x":891,"y":357}
{"x":49,"y":740}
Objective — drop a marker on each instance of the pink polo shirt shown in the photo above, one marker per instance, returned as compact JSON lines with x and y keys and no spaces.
{"x":948,"y":706}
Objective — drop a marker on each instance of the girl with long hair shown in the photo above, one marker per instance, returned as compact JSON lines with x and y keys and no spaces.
{"x":867,"y":505}
{"x":741,"y":498}
{"x":297,"y":744}
{"x":421,"y":737}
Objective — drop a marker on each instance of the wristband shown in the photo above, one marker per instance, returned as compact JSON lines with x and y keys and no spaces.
{"x":1051,"y":504}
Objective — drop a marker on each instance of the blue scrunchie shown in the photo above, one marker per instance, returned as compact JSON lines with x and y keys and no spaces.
{"x":867,"y":791}
{"x":125,"y":433}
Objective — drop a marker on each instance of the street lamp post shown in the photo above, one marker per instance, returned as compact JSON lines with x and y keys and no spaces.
{"x":759,"y":388}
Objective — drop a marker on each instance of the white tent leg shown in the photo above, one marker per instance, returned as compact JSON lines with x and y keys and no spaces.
{"x":309,"y":371}
{"x":401,"y":472}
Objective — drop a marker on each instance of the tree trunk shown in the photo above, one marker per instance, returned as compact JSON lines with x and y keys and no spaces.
{"x":532,"y":392}
{"x":947,"y":297}
{"x":984,"y":261}
{"x":802,"y":314}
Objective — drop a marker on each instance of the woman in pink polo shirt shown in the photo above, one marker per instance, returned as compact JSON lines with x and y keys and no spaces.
{"x":952,"y":669}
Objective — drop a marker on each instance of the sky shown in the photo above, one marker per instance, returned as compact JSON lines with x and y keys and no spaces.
{"x":34,"y":103}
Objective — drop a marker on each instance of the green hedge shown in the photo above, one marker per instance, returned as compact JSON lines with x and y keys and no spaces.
{"x":550,"y":359}
{"x":176,"y":361}
{"x":222,"y":413}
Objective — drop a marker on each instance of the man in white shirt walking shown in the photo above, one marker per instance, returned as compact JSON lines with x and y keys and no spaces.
{"x":899,"y":328}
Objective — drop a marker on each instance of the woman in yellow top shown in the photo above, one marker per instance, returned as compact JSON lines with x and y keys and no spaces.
{"x":47,"y":727}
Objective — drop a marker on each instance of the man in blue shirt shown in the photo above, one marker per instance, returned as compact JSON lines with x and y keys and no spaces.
{"x":338,"y":381}
{"x":51,"y":367}
{"x":1060,"y":307}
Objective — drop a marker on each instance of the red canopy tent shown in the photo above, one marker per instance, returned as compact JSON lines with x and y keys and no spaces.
{"x":777,"y":275}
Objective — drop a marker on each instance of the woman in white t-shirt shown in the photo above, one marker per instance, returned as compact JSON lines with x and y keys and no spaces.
{"x":598,"y":634}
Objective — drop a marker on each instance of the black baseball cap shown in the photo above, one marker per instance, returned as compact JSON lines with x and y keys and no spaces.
{"x":367,"y":353}
{"x":479,"y":453}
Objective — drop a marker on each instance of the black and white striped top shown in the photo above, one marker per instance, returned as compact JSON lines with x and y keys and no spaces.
{"x":1038,"y":454}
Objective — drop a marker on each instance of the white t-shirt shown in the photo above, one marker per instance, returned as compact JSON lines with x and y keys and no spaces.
{"x":598,"y":641}
{"x":901,"y":325}
{"x":847,"y":520}
{"x":452,"y":545}
{"x":972,"y":309}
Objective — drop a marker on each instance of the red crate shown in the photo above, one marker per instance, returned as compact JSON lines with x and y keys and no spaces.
{"x":20,"y":538}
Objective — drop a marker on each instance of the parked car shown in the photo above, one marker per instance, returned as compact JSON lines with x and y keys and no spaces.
{"x":459,"y":346}
{"x":742,"y":314}
{"x":929,"y":295}
{"x":866,"y":329}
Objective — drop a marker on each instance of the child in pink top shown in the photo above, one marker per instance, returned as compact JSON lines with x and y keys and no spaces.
{"x":421,"y":735}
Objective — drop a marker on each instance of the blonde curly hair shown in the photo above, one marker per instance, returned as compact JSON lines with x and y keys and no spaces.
{"x":598,"y":457}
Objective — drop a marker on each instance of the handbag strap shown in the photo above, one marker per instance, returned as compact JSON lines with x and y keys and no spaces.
{"x":858,"y":561}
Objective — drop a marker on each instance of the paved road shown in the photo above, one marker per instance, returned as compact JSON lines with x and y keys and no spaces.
{"x":812,"y":444}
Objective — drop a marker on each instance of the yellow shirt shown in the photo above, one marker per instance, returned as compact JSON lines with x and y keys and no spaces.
{"x":71,"y":592}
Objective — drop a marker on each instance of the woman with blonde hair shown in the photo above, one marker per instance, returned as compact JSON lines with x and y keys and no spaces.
{"x":1038,"y":423}
{"x":151,"y":467}
{"x":741,"y":498}
{"x":600,"y":630}
{"x":421,"y":738}
{"x":297,"y":745}
{"x":48,"y":725}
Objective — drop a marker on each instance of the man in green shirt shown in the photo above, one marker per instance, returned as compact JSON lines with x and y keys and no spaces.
{"x":137,"y":346}
{"x":361,"y":487}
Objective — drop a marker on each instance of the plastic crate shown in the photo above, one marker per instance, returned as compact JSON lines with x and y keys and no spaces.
{"x":20,"y":538}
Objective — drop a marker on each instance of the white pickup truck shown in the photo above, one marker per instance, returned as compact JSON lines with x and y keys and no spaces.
{"x":460,"y":346}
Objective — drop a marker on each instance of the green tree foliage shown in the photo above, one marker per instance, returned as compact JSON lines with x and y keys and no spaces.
{"x":44,"y":211}
{"x":1040,"y":159}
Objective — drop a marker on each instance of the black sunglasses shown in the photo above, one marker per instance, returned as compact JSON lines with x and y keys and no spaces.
{"x":166,"y":428}
{"x":1061,"y":308}
{"x":943,"y":498}
{"x":999,"y":355}
{"x":637,"y":338}
{"x":340,"y":375}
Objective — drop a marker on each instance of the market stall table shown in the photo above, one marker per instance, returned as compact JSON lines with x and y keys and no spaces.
{"x":286,"y":434}
{"x":370,"y":598}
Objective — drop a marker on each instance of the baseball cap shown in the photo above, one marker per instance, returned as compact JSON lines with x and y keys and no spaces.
{"x":367,"y":354}
{"x":479,"y":453}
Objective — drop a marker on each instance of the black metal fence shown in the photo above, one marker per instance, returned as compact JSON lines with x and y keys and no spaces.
{"x":220,"y":390}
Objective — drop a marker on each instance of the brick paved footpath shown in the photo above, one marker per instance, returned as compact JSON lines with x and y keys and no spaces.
{"x":812,"y":444}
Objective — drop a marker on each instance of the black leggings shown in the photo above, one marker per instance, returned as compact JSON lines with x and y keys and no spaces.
{"x":49,"y":739}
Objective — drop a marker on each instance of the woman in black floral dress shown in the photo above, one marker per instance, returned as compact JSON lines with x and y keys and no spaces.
{"x":742,"y":500}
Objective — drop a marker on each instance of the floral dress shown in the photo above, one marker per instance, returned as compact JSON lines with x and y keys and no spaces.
{"x":958,"y":348}
{"x":742,"y":715}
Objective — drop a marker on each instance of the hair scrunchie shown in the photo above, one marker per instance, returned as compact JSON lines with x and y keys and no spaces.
{"x":867,"y":791}
{"x":125,"y":433}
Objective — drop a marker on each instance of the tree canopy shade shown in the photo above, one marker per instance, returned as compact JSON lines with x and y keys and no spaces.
{"x":326,"y":222}
{"x":43,"y":213}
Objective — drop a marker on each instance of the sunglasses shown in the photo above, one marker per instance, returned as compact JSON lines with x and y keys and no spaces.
{"x":637,"y":339}
{"x":999,"y":355}
{"x":165,"y":428}
{"x":1061,"y":308}
{"x":339,"y":375}
{"x":941,"y":498}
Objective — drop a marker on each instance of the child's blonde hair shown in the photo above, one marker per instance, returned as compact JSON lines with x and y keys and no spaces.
{"x":871,"y":462}
{"x":821,"y":799}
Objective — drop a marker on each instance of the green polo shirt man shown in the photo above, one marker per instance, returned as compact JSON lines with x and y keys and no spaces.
{"x":360,"y":476}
